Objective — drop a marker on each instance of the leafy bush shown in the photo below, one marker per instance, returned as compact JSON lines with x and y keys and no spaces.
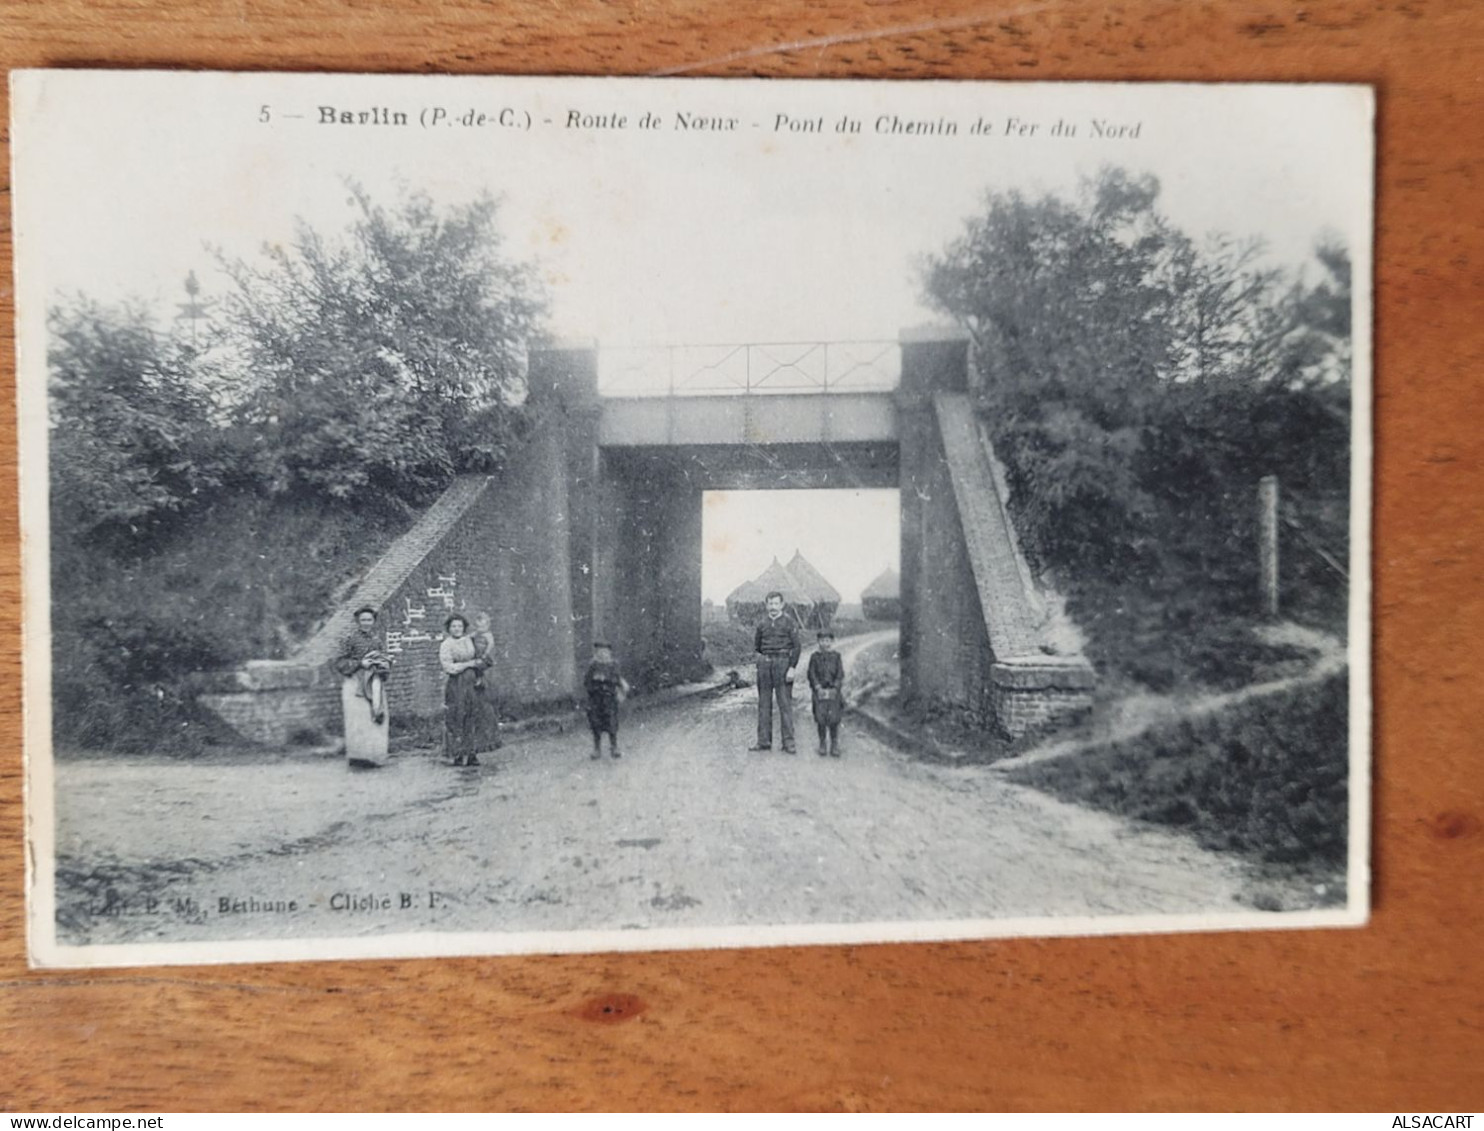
{"x":138,"y":649}
{"x":116,"y":684}
{"x":385,"y":360}
{"x":132,"y":441}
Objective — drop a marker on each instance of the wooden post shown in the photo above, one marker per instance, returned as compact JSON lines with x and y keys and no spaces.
{"x":1267,"y":544}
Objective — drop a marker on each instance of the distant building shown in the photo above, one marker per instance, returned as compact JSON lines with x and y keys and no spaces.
{"x":882,"y":599}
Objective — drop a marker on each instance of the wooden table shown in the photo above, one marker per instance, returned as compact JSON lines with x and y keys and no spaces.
{"x":1387,"y":1018}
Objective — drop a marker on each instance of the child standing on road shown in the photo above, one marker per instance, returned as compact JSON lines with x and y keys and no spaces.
{"x":606,"y":688}
{"x":826,"y":681}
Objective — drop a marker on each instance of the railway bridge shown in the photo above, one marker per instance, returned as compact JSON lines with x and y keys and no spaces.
{"x":593,"y":530}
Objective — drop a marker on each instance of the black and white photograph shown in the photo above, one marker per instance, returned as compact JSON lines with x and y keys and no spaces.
{"x":495,"y":515}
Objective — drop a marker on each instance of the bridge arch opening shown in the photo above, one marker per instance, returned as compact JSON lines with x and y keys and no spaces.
{"x":822,"y":547}
{"x":636,"y":470}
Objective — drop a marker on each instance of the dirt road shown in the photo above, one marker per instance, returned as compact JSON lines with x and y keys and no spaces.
{"x":687,"y":829}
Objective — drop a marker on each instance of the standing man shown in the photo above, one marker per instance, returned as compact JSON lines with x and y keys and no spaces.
{"x":776,"y":643}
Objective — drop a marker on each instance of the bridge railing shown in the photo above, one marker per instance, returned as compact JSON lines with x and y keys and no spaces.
{"x":749,"y":368}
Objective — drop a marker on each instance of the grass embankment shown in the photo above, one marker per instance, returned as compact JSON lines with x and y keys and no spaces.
{"x":1182,"y":640}
{"x":135,"y":637}
{"x":1266,"y":777}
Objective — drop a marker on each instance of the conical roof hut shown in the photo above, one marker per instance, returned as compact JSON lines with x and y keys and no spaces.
{"x":882,"y":599}
{"x":888,"y":583}
{"x":811,"y":579}
{"x":749,"y":590}
{"x":745,"y":602}
{"x":807,"y":596}
{"x":777,"y":579}
{"x":825,"y":597}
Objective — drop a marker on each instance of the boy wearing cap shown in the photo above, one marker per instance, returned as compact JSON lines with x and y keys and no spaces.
{"x":826,"y":681}
{"x":606,"y":688}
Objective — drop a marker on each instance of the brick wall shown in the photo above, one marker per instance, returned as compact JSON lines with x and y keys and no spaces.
{"x":971,"y":619}
{"x":280,"y":716}
{"x":1018,"y":713}
{"x":1039,"y":692}
{"x":988,"y":538}
{"x":492,"y":544}
{"x":955,"y":660}
{"x":505,"y":555}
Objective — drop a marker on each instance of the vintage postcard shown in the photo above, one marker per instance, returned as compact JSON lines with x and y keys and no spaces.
{"x":495,"y":515}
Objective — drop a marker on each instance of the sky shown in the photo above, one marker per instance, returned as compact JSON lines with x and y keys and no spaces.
{"x":758,"y":234}
{"x":778,"y":230}
{"x":850,"y":536}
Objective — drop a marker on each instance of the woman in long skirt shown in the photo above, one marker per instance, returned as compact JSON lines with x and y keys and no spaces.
{"x":460,"y":695}
{"x":363,"y":665}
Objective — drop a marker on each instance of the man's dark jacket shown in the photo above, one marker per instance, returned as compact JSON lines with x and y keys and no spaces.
{"x":778,"y":638}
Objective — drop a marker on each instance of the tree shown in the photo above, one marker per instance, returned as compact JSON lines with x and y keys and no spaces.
{"x":384,"y":360}
{"x":131,"y":436}
{"x":1318,"y":351}
{"x":1070,"y":296}
{"x":1136,"y":382}
{"x":1072,"y":308}
{"x":1229,"y":324}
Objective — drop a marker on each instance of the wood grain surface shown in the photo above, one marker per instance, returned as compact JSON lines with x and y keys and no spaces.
{"x":1385,"y":1018}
